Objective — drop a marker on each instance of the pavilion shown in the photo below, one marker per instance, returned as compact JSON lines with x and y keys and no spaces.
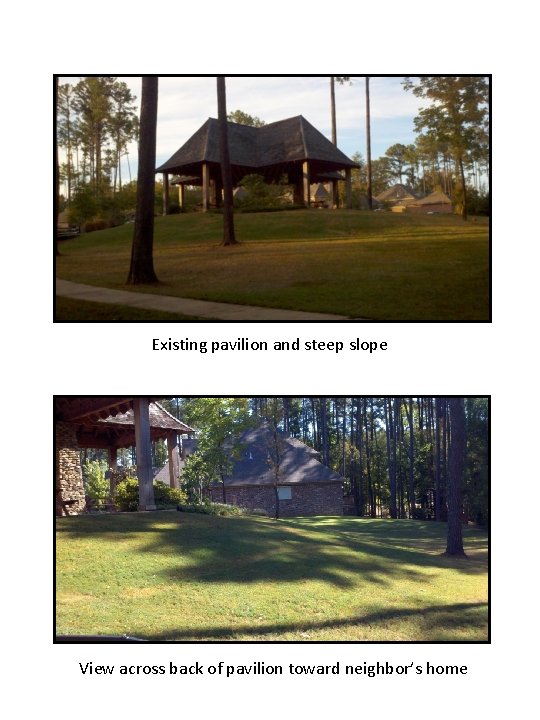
{"x":292,"y":148}
{"x":111,"y":423}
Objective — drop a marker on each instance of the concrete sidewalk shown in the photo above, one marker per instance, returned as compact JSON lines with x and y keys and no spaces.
{"x":184,"y":306}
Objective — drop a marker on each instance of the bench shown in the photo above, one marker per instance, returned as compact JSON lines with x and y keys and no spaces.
{"x":64,"y":231}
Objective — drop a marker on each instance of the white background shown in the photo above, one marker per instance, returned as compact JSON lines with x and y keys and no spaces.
{"x":42,"y":359}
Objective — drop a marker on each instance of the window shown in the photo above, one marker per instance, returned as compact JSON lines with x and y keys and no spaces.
{"x":284,"y":492}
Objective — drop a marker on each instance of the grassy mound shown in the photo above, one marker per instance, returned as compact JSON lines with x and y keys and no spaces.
{"x":358,"y":264}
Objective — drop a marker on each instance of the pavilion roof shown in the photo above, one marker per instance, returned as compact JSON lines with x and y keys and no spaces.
{"x":109,"y":422}
{"x":276,"y":144}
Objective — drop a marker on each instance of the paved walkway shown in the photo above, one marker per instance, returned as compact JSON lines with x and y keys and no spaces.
{"x":185,"y":306}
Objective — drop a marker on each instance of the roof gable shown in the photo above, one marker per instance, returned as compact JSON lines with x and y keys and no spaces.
{"x":298,"y":464}
{"x":291,"y":140}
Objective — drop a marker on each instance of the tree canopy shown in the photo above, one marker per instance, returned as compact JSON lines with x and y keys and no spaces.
{"x":394,"y":453}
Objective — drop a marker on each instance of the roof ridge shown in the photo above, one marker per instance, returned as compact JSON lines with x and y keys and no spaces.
{"x":302,"y":119}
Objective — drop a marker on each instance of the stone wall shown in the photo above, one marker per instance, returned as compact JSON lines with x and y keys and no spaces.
{"x":69,"y":483}
{"x":308,"y":499}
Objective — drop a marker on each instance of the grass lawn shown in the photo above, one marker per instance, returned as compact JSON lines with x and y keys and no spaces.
{"x":68,"y":310}
{"x":176,"y":576}
{"x":381,"y":266}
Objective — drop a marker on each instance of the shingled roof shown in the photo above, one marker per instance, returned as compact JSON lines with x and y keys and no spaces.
{"x":397,"y":192}
{"x":436,"y":198}
{"x":299,"y":463}
{"x":118,"y":430}
{"x":256,"y":149}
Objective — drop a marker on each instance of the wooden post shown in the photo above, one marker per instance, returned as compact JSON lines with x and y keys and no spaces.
{"x":144,"y":453}
{"x":165,"y":193}
{"x":172,"y":444}
{"x":219,"y":191}
{"x":113,"y":465}
{"x":335,"y":195}
{"x":113,"y":458}
{"x":181,"y":195}
{"x":348,"y":189}
{"x":307,"y":183}
{"x":205,"y":187}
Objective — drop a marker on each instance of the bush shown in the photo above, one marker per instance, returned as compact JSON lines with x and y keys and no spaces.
{"x":126,"y":497}
{"x":96,"y":487}
{"x":213,"y":509}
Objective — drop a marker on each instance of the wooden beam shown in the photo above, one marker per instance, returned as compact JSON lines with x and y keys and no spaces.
{"x":144,"y":454}
{"x":77,"y":408}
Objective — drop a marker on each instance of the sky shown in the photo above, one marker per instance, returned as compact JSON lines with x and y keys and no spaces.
{"x":186,"y":102}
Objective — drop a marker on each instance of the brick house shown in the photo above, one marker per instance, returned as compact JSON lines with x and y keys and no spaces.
{"x":282,"y":469}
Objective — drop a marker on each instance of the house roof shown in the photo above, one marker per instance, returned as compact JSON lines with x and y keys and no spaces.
{"x":255,"y":149}
{"x":298,"y":463}
{"x":436,"y":198}
{"x":397,"y":192}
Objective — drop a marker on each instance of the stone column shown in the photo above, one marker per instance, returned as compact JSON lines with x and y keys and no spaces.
{"x":69,"y":488}
{"x":165,"y":193}
{"x":144,"y":454}
{"x":307,"y":183}
{"x":205,"y":187}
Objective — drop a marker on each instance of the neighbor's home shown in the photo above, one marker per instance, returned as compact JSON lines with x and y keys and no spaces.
{"x":398,"y":197}
{"x":437,"y":202}
{"x":304,"y":485}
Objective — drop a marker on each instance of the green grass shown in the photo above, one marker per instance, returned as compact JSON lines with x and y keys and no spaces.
{"x":68,"y":310}
{"x":175,"y":576}
{"x":381,"y":266}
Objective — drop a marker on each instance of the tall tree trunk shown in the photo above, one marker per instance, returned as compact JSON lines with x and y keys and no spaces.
{"x":391,"y":451}
{"x":438,"y":472}
{"x":57,"y":176}
{"x":371,"y":494}
{"x":229,"y":237}
{"x":333,"y":108}
{"x":141,"y":270}
{"x":412,"y":497}
{"x":444,"y":455}
{"x":458,"y":446}
{"x":324,"y":432}
{"x":463,"y":188}
{"x":368,"y":140}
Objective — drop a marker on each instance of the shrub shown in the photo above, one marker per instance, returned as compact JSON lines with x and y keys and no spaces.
{"x":126,"y":497}
{"x":96,"y":487}
{"x":260,"y":511}
{"x":167,"y":496}
{"x":213,"y":509}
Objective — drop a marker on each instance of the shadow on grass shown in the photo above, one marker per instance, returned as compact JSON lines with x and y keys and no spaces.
{"x":344,"y":552}
{"x":436,"y":619}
